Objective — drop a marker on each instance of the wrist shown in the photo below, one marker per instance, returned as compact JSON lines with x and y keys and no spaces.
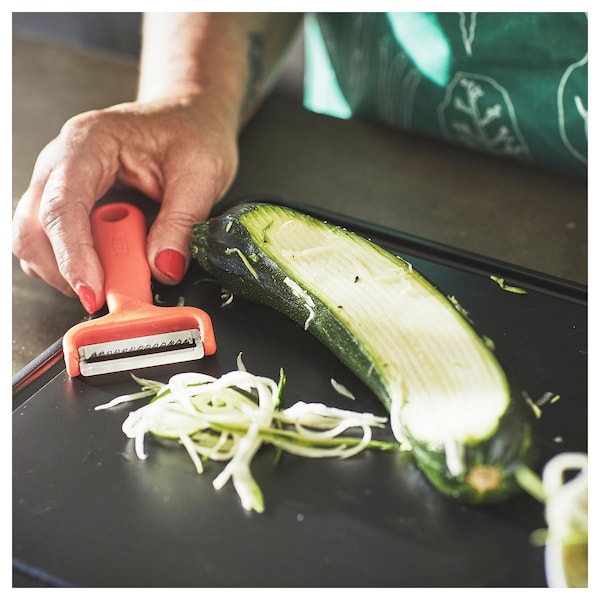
{"x":194,"y":58}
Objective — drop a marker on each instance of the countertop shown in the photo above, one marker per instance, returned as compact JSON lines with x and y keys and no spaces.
{"x":520,"y":214}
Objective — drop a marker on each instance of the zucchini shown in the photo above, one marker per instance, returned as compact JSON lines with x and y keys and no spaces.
{"x":448,"y":397}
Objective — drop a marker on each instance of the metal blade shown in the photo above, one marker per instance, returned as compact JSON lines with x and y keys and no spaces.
{"x":141,"y":352}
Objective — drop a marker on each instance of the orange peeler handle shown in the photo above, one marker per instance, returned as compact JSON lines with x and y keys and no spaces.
{"x":119,"y":231}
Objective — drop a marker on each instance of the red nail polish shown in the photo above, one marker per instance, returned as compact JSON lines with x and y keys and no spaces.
{"x":171,"y":263}
{"x":86,"y":297}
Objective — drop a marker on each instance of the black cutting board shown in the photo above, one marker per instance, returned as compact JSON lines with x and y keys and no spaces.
{"x":87,"y":512}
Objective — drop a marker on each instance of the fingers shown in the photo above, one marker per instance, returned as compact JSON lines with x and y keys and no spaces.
{"x":64,"y":217}
{"x":187,"y":199}
{"x":52,"y":239}
{"x":51,"y":229}
{"x":169,"y":237}
{"x":27,"y":234}
{"x":29,"y":241}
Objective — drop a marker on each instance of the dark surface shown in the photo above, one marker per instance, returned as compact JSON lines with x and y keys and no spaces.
{"x":87,"y":512}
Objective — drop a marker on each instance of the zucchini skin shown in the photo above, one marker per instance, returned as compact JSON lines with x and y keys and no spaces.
{"x":489,"y":465}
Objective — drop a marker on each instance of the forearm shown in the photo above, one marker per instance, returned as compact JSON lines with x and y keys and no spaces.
{"x":232,"y":58}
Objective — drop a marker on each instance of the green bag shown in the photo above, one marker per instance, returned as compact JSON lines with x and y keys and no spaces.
{"x":511,"y":84}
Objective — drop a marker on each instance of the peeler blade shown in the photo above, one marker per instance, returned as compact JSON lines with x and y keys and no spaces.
{"x":140,"y":352}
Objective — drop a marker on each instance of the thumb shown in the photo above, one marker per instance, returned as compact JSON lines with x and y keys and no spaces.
{"x":169,"y":237}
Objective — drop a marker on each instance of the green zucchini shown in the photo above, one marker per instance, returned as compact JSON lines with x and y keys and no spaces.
{"x":448,"y":397}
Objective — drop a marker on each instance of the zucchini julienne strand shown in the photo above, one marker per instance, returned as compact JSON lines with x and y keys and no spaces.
{"x":446,"y":393}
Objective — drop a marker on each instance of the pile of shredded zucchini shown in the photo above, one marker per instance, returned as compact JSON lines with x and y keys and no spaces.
{"x":229,"y":418}
{"x":566,"y":511}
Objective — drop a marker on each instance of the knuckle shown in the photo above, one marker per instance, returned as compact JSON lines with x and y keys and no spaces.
{"x":216,"y":171}
{"x":91,"y":136}
{"x":21,"y":242}
{"x":62,"y":221}
{"x":52,"y":210}
{"x":82,"y":124}
{"x":28,"y":269}
{"x":60,"y":205}
{"x":25,"y":233}
{"x":178,"y":221}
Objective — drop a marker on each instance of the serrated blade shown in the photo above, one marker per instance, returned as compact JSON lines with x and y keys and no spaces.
{"x":141,"y":352}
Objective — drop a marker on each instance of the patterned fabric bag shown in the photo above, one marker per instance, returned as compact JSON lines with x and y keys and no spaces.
{"x":511,"y":84}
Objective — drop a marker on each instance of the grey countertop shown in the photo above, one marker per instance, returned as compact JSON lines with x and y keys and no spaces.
{"x":515,"y":213}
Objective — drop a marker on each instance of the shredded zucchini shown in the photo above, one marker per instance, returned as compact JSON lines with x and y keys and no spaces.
{"x":244,"y":260}
{"x":342,"y":389}
{"x":229,"y":418}
{"x":507,"y":288}
{"x":565,"y":497}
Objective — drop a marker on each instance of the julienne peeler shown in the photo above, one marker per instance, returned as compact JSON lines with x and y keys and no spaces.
{"x":135,"y":333}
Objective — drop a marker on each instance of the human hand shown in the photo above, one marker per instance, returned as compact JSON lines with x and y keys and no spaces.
{"x":179,"y":151}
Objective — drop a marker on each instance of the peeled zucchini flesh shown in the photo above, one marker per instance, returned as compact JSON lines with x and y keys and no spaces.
{"x":447,"y":395}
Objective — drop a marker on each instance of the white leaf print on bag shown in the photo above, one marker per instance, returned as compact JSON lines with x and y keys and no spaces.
{"x":572,"y":112}
{"x":477,"y":111}
{"x":468,"y":23}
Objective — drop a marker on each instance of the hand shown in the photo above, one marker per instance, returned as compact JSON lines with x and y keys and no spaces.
{"x":180,"y":151}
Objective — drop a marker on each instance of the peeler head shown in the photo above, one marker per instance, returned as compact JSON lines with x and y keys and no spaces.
{"x":138,"y":336}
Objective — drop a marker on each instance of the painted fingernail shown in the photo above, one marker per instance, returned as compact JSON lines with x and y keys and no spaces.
{"x":86,"y":297}
{"x":170,"y":263}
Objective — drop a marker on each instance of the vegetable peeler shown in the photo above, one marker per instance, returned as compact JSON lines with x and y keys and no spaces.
{"x":135,"y":333}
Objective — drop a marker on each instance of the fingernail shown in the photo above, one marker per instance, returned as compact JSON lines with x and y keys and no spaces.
{"x":86,"y":297}
{"x":171,"y":263}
